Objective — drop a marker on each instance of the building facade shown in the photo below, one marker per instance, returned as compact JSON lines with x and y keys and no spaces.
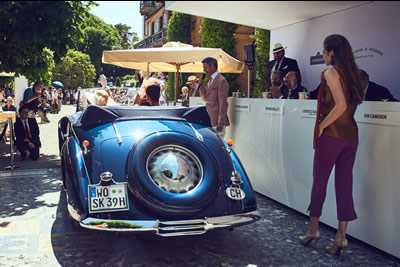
{"x":155,"y":22}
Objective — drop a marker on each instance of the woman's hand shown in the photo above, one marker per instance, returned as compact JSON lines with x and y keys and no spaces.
{"x":321,"y":130}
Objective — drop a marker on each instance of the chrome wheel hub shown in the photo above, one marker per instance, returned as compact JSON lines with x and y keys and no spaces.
{"x":174,"y":169}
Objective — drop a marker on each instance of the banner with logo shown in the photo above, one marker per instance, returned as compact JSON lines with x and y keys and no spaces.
{"x":371,"y":30}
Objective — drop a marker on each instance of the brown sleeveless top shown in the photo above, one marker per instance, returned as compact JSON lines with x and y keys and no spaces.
{"x":345,"y":126}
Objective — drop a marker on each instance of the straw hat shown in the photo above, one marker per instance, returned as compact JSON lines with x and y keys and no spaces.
{"x":278,"y":47}
{"x":192,"y":79}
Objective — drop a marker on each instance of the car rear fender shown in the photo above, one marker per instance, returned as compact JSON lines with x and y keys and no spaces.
{"x":62,"y":131}
{"x":249,"y":203}
{"x":78,"y":171}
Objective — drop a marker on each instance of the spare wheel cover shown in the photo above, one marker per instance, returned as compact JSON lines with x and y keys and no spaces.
{"x":172,"y":174}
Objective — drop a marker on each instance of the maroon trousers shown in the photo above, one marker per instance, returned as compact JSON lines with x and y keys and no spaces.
{"x":340,"y":152}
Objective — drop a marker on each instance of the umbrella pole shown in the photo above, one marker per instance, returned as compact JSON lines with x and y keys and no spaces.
{"x":178,"y":67}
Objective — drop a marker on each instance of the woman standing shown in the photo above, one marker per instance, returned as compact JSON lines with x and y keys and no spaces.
{"x":336,"y":139}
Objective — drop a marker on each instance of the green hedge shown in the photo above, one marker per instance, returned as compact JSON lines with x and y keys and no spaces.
{"x":262,"y":57}
{"x":219,"y":34}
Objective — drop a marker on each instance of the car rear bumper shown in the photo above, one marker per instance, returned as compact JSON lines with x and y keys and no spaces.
{"x":172,"y":228}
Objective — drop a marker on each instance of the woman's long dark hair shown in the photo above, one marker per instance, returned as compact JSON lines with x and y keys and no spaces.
{"x":343,"y":58}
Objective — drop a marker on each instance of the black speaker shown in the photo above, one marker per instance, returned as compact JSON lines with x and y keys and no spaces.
{"x":248,"y":54}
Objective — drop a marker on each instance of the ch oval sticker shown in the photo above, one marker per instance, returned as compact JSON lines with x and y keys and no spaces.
{"x":235,"y":193}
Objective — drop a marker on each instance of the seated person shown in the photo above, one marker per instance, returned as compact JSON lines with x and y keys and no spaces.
{"x":292,"y":81}
{"x":193,"y":82}
{"x":9,"y":105}
{"x":278,"y":88}
{"x":141,"y":95}
{"x":45,"y":108}
{"x":153,"y":93}
{"x":373,"y":91}
{"x":164,"y":95}
{"x":184,"y":97}
{"x":27,"y":134}
{"x":101,"y":97}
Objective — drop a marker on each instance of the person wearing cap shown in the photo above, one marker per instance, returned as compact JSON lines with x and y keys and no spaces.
{"x":281,"y":63}
{"x":9,"y":105}
{"x":193,"y":83}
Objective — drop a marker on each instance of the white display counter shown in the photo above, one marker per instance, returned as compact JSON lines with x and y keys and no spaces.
{"x":274,"y":138}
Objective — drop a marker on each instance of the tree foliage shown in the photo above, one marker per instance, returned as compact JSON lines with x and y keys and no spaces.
{"x":219,"y":34}
{"x":28,"y":27}
{"x":128,"y":37}
{"x":99,"y":36}
{"x":44,"y":73}
{"x":262,"y":57}
{"x":75,"y":70}
{"x":178,"y":30}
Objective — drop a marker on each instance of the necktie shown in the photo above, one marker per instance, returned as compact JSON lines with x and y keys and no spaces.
{"x":195,"y":91}
{"x":275,"y":66}
{"x":209,"y":82}
{"x":26,"y":130}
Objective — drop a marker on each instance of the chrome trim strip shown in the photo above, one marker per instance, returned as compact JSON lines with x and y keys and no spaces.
{"x":182,"y":233}
{"x":80,"y":145}
{"x":182,"y":222}
{"x":118,"y":135}
{"x":179,"y":228}
{"x":198,"y":135}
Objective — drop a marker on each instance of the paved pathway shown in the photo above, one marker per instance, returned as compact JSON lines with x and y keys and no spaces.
{"x":35,"y":230}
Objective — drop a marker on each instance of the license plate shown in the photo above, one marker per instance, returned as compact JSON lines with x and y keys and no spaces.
{"x":235,"y":193}
{"x":108,"y":198}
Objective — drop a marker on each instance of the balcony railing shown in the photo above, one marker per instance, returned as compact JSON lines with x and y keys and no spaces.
{"x":149,"y":41}
{"x":147,"y":7}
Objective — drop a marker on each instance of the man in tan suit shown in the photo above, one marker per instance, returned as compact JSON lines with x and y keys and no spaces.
{"x":215,"y":95}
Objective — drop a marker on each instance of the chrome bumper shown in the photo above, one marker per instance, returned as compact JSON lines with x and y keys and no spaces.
{"x":176,"y":228}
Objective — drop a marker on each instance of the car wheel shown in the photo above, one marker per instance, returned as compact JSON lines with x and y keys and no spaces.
{"x":173,"y":174}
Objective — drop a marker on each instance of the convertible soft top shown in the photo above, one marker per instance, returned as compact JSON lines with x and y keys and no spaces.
{"x":94,"y":116}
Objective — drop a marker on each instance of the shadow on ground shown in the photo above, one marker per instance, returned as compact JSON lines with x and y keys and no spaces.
{"x":271,"y":241}
{"x":22,"y":191}
{"x":44,"y":161}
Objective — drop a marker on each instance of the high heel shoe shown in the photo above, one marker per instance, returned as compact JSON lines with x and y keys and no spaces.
{"x":305,"y":240}
{"x":337,"y":247}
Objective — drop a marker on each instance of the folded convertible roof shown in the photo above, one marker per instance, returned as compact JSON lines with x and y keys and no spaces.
{"x":94,"y":116}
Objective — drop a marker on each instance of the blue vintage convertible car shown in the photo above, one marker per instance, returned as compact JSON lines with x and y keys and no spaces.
{"x":152,"y":169}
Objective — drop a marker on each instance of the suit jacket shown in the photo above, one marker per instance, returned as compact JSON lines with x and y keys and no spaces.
{"x":12,"y":108}
{"x":19,"y":129}
{"x":184,"y":97}
{"x":216,"y":96}
{"x":295,"y":92}
{"x":288,"y":64}
{"x":196,"y":92}
{"x":314,"y":93}
{"x":284,"y":91}
{"x":376,"y":92}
